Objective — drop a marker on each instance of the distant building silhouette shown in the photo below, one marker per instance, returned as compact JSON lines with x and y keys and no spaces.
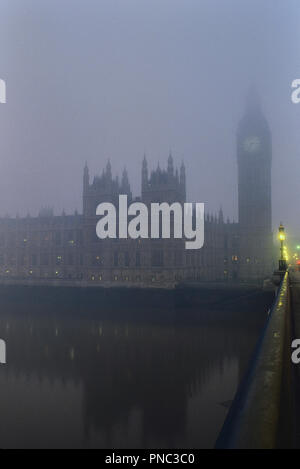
{"x":254,"y":154}
{"x":66,"y":247}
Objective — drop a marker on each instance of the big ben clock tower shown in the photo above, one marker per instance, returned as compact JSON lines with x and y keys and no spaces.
{"x":254,"y":155}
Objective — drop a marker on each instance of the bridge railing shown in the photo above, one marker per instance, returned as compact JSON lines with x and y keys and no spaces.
{"x":254,"y":418}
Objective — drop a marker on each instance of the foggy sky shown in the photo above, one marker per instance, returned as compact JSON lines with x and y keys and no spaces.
{"x":98,"y":79}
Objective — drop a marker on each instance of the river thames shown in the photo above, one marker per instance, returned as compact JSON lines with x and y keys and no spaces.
{"x":81,"y":381}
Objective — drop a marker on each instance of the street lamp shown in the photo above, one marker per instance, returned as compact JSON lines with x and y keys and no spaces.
{"x":281,"y":237}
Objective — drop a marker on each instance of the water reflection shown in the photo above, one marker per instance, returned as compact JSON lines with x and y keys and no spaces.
{"x":92,"y":383}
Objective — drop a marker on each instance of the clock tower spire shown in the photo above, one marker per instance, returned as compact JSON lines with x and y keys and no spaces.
{"x":254,"y":157}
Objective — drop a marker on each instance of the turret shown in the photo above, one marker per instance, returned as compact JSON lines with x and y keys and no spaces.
{"x":108,"y":171}
{"x":86,"y":185}
{"x":144,"y":174}
{"x":86,"y":178}
{"x":170,"y":165}
{"x":221,"y":216}
{"x":125,"y":186}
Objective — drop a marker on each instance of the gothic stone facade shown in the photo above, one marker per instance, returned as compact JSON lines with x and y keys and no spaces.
{"x":66,"y":248}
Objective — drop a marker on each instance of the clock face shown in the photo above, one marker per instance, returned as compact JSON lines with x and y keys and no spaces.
{"x":252,"y":144}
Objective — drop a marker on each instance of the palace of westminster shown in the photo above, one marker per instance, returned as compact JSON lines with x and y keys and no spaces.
{"x":65,"y":249}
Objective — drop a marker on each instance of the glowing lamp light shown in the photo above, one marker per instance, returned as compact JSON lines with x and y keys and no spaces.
{"x":283,"y":250}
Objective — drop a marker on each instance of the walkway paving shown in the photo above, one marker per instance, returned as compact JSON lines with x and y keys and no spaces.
{"x":295,"y":301}
{"x":294,"y":278}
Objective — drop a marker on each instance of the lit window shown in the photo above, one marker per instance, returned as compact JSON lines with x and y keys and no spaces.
{"x":96,"y":260}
